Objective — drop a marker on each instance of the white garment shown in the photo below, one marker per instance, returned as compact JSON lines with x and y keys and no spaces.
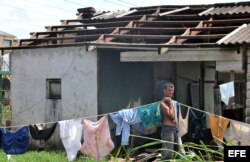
{"x":183,"y":123}
{"x":238,"y":133}
{"x":226,"y":91}
{"x":174,"y":103}
{"x":71,"y":135}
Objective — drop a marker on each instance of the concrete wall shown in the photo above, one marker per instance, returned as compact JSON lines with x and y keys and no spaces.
{"x":77,"y":70}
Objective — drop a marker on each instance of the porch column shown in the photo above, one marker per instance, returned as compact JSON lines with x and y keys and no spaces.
{"x":247,"y":110}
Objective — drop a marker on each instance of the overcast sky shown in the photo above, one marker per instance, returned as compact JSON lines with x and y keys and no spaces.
{"x":20,"y":17}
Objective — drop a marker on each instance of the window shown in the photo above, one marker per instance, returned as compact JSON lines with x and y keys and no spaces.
{"x":6,"y":43}
{"x":53,"y":88}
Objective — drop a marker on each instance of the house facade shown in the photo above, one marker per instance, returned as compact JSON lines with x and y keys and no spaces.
{"x":104,"y":62}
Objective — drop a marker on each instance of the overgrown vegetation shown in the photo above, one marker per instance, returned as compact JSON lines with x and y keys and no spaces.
{"x":5,"y":113}
{"x":194,"y":152}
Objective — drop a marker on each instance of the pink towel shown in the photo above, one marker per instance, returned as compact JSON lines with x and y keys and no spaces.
{"x":97,"y":141}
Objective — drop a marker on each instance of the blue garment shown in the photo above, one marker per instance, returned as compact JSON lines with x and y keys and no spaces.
{"x":123,"y":119}
{"x":15,"y":142}
{"x":150,"y":115}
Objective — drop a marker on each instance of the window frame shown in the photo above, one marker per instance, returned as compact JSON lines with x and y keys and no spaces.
{"x":49,"y":93}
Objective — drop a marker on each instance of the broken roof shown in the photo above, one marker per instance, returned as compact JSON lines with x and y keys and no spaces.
{"x":154,"y":26}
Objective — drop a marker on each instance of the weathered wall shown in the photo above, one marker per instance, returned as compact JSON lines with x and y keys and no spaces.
{"x":186,"y":72}
{"x":77,"y":70}
{"x":123,"y":84}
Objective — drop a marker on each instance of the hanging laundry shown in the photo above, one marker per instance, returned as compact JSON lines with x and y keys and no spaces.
{"x":218,"y":126}
{"x":226,"y":91}
{"x":123,"y":119}
{"x":97,"y":141}
{"x":197,"y":126}
{"x":15,"y":142}
{"x":238,"y":133}
{"x":42,"y":133}
{"x":151,"y":117}
{"x":71,"y":135}
{"x":183,"y":123}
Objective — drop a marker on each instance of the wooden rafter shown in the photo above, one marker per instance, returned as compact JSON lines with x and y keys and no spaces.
{"x":161,"y":30}
{"x":179,"y":40}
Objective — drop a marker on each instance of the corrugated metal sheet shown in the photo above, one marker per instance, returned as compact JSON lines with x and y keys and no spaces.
{"x":226,"y":10}
{"x":238,"y":36}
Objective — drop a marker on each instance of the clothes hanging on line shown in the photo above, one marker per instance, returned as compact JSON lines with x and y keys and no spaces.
{"x":123,"y":119}
{"x":218,"y":126}
{"x":15,"y":142}
{"x":197,"y":126}
{"x":71,"y":135}
{"x":183,"y":122}
{"x":238,"y":133}
{"x":151,"y":117}
{"x":42,"y":133}
{"x":226,"y":91}
{"x":97,"y":141}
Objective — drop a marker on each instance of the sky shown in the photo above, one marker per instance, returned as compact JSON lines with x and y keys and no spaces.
{"x":20,"y":17}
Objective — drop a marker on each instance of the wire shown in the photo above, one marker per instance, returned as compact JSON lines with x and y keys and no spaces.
{"x":64,"y":9}
{"x":42,"y":13}
{"x":87,"y":117}
{"x":75,"y":3}
{"x":1,"y":20}
{"x":116,"y":3}
{"x":79,"y":4}
{"x":128,"y":3}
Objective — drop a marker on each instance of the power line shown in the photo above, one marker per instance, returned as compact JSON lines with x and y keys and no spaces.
{"x":118,"y":4}
{"x":52,"y":6}
{"x":79,"y":4}
{"x":25,"y":23}
{"x":128,"y":3}
{"x":76,"y":3}
{"x":10,"y":6}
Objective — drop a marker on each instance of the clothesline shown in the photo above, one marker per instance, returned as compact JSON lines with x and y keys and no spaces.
{"x":93,"y":116}
{"x":87,"y":117}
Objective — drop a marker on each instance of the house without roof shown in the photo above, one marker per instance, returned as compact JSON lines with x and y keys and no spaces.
{"x":102,"y":62}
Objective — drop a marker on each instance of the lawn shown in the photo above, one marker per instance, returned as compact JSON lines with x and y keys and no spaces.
{"x":42,"y":156}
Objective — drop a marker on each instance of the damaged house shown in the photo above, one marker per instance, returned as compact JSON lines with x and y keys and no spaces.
{"x":103,"y":62}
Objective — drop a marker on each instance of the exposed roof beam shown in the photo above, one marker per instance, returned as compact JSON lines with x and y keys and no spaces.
{"x":211,"y":36}
{"x":105,"y":24}
{"x":131,"y":45}
{"x":148,"y":29}
{"x":246,"y":20}
{"x":73,"y":31}
{"x":176,"y":40}
{"x":39,"y":40}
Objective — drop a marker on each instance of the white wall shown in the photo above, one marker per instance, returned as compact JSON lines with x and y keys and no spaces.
{"x":30,"y":68}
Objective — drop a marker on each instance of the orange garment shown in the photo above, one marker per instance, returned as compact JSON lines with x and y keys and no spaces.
{"x":218,"y":126}
{"x":97,"y":141}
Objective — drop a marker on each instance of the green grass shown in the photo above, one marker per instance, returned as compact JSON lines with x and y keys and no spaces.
{"x":43,"y":156}
{"x":195,"y":152}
